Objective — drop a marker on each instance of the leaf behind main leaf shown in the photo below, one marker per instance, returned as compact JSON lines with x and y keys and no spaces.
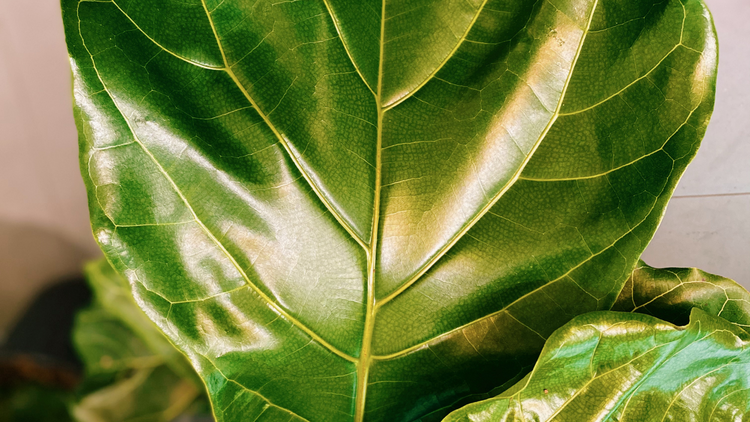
{"x":630,"y":367}
{"x":671,"y":294}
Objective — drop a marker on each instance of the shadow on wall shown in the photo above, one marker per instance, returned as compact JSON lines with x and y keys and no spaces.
{"x":31,"y":258}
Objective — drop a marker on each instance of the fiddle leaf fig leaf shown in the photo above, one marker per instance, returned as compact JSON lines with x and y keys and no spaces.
{"x":670,"y":294}
{"x":630,"y":367}
{"x":347,"y":210}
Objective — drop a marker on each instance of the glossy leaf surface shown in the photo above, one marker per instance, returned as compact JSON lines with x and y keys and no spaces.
{"x":347,"y":210}
{"x":670,"y":294}
{"x":132,"y":373}
{"x":630,"y":367}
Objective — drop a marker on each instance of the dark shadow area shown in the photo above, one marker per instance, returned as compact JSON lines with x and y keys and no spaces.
{"x":39,"y":368}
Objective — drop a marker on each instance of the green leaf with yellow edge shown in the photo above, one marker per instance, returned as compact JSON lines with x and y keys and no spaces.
{"x":671,"y":294}
{"x":378,"y":210}
{"x":613,"y":366}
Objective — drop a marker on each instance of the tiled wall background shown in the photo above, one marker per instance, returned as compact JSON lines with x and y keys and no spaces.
{"x":44,"y":231}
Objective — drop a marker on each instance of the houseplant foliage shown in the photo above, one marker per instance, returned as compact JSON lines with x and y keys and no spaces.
{"x":154,"y":391}
{"x":380,"y":211}
{"x":132,"y":372}
{"x":615,"y":366}
{"x":670,"y":294}
{"x":701,"y":373}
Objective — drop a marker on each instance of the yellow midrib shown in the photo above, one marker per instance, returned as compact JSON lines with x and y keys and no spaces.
{"x":363,"y":366}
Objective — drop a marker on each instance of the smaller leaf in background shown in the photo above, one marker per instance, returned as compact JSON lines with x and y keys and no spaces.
{"x":132,"y":371}
{"x":34,"y":403}
{"x":671,"y":293}
{"x":112,"y":293}
{"x":630,"y":367}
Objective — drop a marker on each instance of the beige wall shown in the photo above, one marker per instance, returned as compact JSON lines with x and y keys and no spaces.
{"x":44,"y":232}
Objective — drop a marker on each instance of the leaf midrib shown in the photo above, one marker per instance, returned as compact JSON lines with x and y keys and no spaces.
{"x":372,"y":304}
{"x":363,"y":366}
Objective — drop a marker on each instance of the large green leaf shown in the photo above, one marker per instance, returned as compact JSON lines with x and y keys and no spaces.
{"x":671,"y":294}
{"x":132,"y":372}
{"x":350,"y":210}
{"x":614,"y":366}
